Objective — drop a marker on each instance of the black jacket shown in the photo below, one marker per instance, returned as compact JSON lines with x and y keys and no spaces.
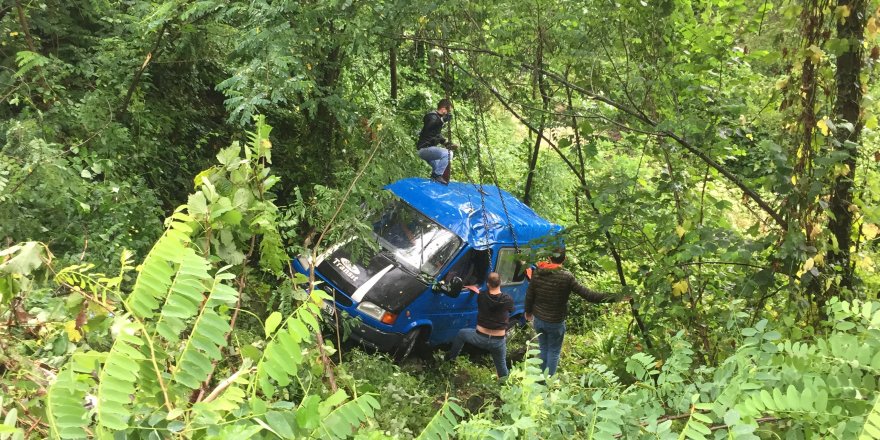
{"x":549,"y":290}
{"x":432,"y":126}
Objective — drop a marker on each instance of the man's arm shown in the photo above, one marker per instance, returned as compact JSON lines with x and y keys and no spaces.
{"x":530,"y":301}
{"x":592,"y":295}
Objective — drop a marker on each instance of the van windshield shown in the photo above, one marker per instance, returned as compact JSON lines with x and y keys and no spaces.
{"x":415,"y":240}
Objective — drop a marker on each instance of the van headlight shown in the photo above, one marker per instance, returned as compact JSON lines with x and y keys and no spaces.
{"x":377,"y":313}
{"x":304,"y":261}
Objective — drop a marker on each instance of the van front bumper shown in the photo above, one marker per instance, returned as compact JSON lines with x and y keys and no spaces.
{"x":375,"y":338}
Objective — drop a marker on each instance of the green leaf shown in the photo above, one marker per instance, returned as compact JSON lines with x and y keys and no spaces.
{"x":871,"y":427}
{"x":208,"y":337}
{"x":66,"y":414}
{"x":230,"y":155}
{"x":272,"y":323}
{"x":27,"y":257}
{"x":116,"y":382}
{"x":155,"y":278}
{"x":197,"y":204}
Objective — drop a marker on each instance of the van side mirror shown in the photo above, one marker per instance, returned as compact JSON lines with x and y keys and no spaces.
{"x":452,"y":289}
{"x":456,"y":285}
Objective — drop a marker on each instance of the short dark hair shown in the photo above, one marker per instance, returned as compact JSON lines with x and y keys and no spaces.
{"x":494,"y":280}
{"x":444,"y":103}
{"x":558,"y":256}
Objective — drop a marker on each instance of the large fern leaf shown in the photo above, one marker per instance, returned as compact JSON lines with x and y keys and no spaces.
{"x":346,"y":418}
{"x":442,"y":425}
{"x":155,"y":278}
{"x":66,"y":414}
{"x":208,"y":336}
{"x":871,"y":429}
{"x":283,"y":354}
{"x":116,"y":383}
{"x":184,"y":295}
{"x":27,"y":61}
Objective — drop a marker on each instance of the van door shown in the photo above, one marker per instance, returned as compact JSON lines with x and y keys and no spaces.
{"x":511,"y":268}
{"x":450,"y":314}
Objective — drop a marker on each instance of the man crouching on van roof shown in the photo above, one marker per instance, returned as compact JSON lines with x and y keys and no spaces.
{"x":493,"y":313}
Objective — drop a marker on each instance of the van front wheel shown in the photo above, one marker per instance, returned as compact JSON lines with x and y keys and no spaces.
{"x":406,"y":346}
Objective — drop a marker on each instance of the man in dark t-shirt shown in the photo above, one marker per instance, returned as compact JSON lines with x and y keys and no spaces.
{"x":493,"y":314}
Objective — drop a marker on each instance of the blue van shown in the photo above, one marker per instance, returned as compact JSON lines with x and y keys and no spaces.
{"x":437,"y":244}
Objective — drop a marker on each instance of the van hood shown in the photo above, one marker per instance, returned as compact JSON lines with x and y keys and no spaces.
{"x":381,"y":280}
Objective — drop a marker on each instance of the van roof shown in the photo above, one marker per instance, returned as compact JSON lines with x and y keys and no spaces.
{"x":459,"y":207}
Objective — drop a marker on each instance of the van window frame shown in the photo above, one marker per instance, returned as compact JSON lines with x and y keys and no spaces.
{"x":498,"y":259}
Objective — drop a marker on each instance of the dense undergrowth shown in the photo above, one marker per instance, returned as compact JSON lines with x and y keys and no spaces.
{"x":716,"y":159}
{"x":150,"y":351}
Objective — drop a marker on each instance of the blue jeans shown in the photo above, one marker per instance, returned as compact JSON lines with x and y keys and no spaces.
{"x":438,"y":157}
{"x":496,"y":346}
{"x":550,"y":336}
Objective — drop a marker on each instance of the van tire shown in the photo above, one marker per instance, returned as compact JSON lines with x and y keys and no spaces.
{"x":407,"y":345}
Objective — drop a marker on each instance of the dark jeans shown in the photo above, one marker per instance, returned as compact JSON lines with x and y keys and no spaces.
{"x":550,"y":336}
{"x":496,"y":346}
{"x":438,"y":157}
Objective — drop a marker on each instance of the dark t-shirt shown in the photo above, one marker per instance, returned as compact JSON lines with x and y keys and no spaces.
{"x":493,"y":311}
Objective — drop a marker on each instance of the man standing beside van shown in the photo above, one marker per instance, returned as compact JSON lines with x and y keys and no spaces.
{"x":433,"y":147}
{"x":547,"y":305}
{"x":493,"y":314}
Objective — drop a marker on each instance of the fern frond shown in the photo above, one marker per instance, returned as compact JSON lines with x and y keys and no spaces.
{"x":697,"y":427}
{"x":156,"y":273}
{"x":871,"y":428}
{"x":94,"y":285}
{"x":28,"y":61}
{"x":184,"y":295}
{"x":346,"y":418}
{"x":64,"y":405}
{"x":442,"y":425}
{"x":207,"y":338}
{"x":116,"y":383}
{"x":283,"y":354}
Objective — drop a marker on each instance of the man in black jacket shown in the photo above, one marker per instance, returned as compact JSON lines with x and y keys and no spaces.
{"x":433,"y":147}
{"x":547,"y":305}
{"x":493,"y":315}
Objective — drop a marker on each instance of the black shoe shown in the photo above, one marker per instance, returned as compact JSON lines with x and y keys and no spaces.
{"x":439,"y":179}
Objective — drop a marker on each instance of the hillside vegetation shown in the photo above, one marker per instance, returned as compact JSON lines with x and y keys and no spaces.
{"x":163,"y":162}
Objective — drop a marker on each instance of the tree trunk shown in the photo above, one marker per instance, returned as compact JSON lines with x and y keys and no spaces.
{"x":324,"y":128}
{"x":847,"y":109}
{"x":533,"y":161}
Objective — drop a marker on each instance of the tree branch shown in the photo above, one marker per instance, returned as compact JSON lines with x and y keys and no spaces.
{"x":582,"y":179}
{"x":631,"y":112}
{"x":123,"y":107}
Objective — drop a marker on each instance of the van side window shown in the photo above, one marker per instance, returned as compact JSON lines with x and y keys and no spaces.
{"x":472,"y":267}
{"x":510,"y":267}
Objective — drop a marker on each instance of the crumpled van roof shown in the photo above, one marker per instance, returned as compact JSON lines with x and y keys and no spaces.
{"x":460,"y":208}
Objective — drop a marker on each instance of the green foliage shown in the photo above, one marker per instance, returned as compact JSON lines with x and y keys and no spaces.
{"x":8,"y":431}
{"x":280,"y":361}
{"x":871,"y":429}
{"x":169,"y":334}
{"x":668,"y":114}
{"x":117,"y":378}
{"x":67,"y":414}
{"x":442,"y":426}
